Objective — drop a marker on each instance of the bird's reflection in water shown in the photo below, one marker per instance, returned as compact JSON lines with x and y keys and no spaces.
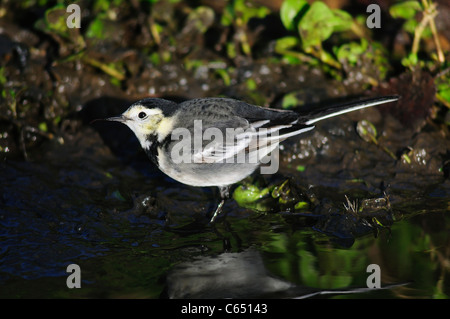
{"x":239,"y":275}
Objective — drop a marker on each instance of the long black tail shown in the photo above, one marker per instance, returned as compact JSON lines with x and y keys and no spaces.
{"x":322,"y":114}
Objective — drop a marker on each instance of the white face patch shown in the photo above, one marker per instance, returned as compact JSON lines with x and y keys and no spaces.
{"x":143,"y":122}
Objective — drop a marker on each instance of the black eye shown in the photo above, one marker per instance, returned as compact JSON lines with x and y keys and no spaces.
{"x":142,"y":115}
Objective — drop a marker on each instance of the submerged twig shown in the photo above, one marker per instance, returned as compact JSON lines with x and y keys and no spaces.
{"x":351,"y":206}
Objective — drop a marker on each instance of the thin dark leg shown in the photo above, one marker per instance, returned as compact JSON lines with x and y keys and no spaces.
{"x":224,"y":194}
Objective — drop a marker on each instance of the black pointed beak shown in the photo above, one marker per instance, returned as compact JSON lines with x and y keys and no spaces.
{"x":120,"y":118}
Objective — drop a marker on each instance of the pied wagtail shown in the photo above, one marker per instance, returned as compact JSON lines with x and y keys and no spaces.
{"x":244,"y":135}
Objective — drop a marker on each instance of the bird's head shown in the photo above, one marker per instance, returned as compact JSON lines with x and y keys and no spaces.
{"x":148,"y":118}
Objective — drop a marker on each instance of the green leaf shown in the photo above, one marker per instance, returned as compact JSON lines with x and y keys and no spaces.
{"x":43,"y":127}
{"x":320,"y":22}
{"x":246,"y":12}
{"x":343,"y":20}
{"x":227,"y":16}
{"x":313,"y":27}
{"x":410,"y":60}
{"x":240,"y":9}
{"x":251,"y":84}
{"x":231,"y":50}
{"x":96,"y":29}
{"x":202,"y":18}
{"x":259,"y":13}
{"x":155,"y":59}
{"x":367,"y":131}
{"x":351,"y":52}
{"x":290,"y":12}
{"x":405,"y":10}
{"x":302,"y":206}
{"x":290,"y":101}
{"x":443,"y":90}
{"x":56,"y":19}
{"x":286,"y":43}
{"x":249,"y":194}
{"x":410,"y":25}
{"x":224,"y":75}
{"x":3,"y":79}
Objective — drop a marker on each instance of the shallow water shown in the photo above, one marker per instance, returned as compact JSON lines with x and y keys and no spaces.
{"x":136,"y":233}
